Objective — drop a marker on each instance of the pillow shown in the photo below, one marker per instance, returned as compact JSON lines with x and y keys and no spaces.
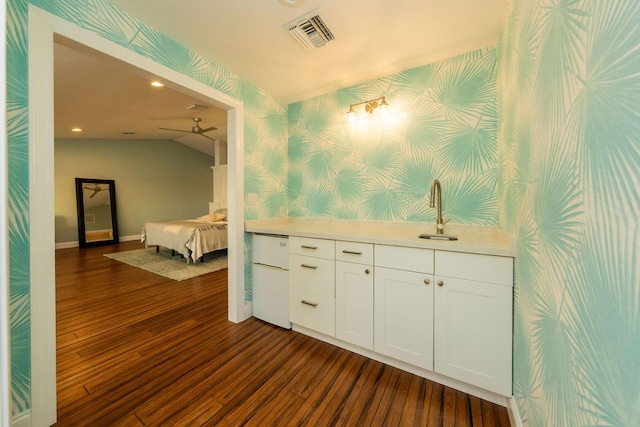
{"x":221,"y":211}
{"x":213,"y":217}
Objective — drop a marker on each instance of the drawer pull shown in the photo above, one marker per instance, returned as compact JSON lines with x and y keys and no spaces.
{"x":427,"y":281}
{"x":312,"y":304}
{"x":440,"y":283}
{"x":309,"y":247}
{"x":313,"y":267}
{"x":352,"y":252}
{"x":366,"y":271}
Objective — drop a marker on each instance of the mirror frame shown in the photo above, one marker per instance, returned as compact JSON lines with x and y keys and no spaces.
{"x":82,"y":236}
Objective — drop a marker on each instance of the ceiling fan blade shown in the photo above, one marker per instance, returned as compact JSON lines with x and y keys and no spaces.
{"x":177,"y":130}
{"x":208,"y":129}
{"x":208,"y":137}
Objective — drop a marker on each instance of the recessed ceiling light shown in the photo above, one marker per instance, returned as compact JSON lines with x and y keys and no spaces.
{"x":156,"y":84}
{"x":291,"y":3}
{"x":76,"y":130}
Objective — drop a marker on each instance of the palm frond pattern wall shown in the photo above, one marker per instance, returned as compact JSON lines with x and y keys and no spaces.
{"x":441,"y":124}
{"x":569,"y":190}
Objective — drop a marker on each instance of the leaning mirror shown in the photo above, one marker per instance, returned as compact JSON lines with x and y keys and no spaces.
{"x":97,"y":221}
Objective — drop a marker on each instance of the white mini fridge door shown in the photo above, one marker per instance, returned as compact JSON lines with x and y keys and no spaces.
{"x":271,"y":295}
{"x":271,"y":250}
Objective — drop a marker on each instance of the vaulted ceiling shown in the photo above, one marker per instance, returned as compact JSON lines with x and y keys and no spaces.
{"x":373,"y":38}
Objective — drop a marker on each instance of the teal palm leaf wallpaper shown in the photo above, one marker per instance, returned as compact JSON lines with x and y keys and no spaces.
{"x":569,"y":190}
{"x":265,"y":143}
{"x":539,"y":135}
{"x":442,"y":123}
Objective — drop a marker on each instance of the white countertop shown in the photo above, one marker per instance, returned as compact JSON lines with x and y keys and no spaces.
{"x":471,"y":238}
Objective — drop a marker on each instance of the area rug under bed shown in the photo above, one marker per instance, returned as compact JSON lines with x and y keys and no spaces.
{"x":172,"y":267}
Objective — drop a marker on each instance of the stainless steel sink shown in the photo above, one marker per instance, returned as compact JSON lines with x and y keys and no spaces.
{"x":438,"y":237}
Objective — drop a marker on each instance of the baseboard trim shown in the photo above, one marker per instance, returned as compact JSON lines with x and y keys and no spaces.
{"x":514,"y":413}
{"x":67,"y":245}
{"x":22,"y":420}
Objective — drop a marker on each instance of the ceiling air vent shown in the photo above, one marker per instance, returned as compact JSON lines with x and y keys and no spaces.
{"x":310,"y":30}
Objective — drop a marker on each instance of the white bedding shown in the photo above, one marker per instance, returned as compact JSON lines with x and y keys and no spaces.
{"x":191,"y":238}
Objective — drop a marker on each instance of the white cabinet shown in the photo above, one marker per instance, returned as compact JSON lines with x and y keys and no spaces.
{"x":312,"y":284}
{"x":473,"y":319}
{"x":354,"y":293}
{"x":403,"y":324}
{"x":449,"y":312}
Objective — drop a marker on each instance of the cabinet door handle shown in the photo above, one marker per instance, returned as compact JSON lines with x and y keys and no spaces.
{"x":427,"y":281}
{"x":440,"y":283}
{"x":352,"y":252}
{"x":313,"y":267}
{"x":312,"y":304}
{"x":309,"y":247}
{"x":367,"y":271}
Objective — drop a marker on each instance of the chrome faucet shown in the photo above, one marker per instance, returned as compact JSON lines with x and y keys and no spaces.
{"x":435,"y":188}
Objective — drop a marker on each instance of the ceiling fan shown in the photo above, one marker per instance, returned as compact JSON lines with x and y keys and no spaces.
{"x":195,"y":129}
{"x":95,"y":190}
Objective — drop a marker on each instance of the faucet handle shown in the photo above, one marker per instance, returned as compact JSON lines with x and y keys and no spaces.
{"x":440,"y":226}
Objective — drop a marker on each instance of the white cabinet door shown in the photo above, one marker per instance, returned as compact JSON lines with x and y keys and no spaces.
{"x":473,"y":332}
{"x":404,"y":316}
{"x":271,"y":295}
{"x":354,"y":303}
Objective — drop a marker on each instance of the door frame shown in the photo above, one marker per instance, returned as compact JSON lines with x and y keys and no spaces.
{"x":5,"y":342}
{"x":42,"y":26}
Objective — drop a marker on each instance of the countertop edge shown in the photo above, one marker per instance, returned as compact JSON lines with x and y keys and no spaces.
{"x":494,"y":240}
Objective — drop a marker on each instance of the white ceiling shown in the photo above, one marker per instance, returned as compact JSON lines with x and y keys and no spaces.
{"x":374,"y":38}
{"x":107,"y":98}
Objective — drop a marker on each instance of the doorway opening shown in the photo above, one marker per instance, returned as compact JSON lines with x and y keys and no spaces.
{"x":42,"y":27}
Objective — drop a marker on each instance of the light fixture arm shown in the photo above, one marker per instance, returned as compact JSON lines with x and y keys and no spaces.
{"x":370,"y":105}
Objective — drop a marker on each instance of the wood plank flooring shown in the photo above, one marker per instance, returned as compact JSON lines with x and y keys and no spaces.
{"x":135,"y":349}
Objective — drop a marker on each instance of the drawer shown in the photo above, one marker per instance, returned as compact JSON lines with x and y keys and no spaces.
{"x":480,"y":268}
{"x":312,"y":311}
{"x":401,"y":258}
{"x":314,"y":275}
{"x":319,"y":248}
{"x":359,"y":253}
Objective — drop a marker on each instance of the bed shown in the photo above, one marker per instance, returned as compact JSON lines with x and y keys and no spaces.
{"x":192,"y":238}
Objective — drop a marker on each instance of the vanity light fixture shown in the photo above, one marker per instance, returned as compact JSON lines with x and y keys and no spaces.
{"x":369,"y":106}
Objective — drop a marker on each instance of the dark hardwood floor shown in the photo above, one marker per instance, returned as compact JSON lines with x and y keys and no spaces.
{"x":137,"y":349}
